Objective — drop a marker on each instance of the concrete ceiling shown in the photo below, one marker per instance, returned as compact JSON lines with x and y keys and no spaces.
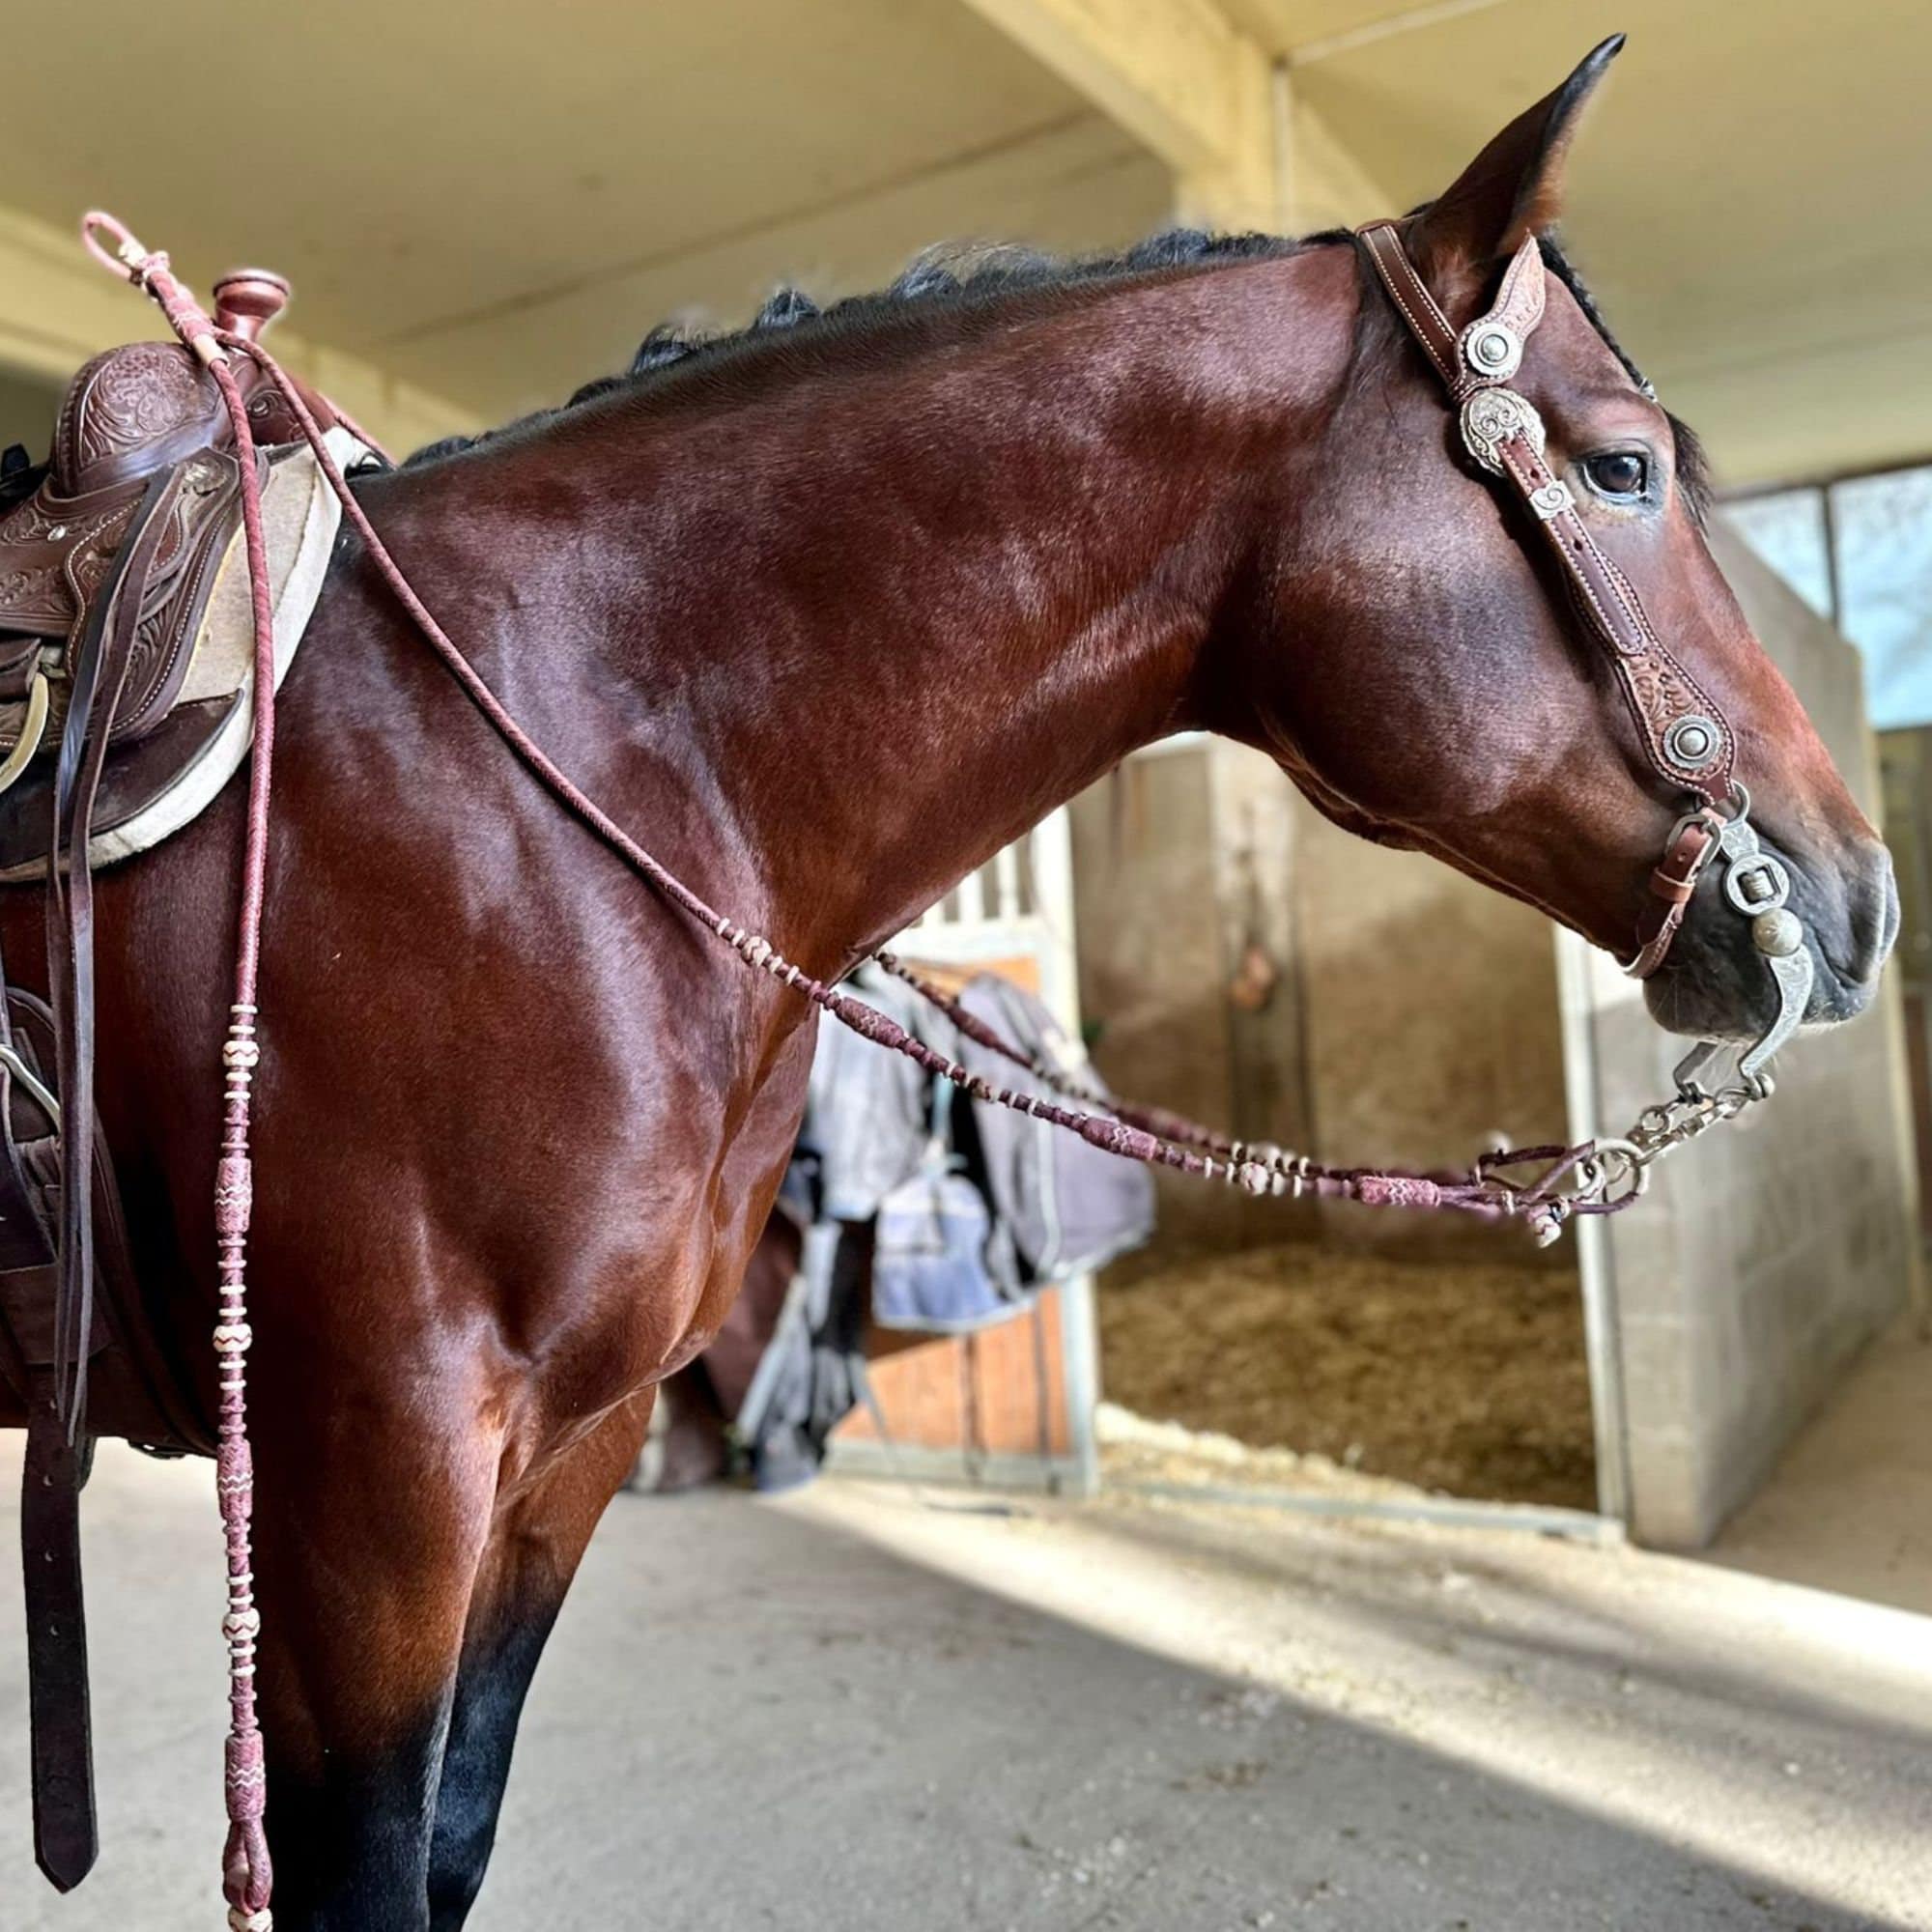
{"x":496,"y":202}
{"x":1748,"y":198}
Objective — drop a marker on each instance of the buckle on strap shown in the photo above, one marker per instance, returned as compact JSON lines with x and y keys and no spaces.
{"x":1491,"y":417}
{"x":31,"y":1084}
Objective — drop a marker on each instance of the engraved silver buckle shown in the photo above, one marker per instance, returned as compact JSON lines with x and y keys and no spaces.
{"x":1552,"y":500}
{"x":1491,"y":417}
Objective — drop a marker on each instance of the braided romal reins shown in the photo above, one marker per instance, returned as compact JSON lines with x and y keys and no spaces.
{"x":1684,"y":734}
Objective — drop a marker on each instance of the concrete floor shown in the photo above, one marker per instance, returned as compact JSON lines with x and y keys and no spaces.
{"x":1849,"y":1507}
{"x":861,"y":1711}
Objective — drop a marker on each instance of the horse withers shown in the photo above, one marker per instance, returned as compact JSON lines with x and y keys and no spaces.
{"x":828,"y":611}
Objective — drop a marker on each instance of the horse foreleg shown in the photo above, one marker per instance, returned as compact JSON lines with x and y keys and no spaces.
{"x":367,"y":1550}
{"x":535,"y":1545}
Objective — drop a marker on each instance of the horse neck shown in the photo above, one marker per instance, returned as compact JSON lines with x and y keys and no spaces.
{"x":874,"y":619}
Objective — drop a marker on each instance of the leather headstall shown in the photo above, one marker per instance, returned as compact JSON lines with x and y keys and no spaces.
{"x":1685,"y":735}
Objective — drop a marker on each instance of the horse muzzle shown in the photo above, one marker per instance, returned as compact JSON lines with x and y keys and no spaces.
{"x":1772,"y":942}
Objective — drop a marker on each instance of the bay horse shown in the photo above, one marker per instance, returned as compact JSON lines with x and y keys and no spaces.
{"x":829,"y":612}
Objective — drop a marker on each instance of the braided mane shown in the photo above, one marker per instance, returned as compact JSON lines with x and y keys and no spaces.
{"x":968,"y":277}
{"x":944,"y":277}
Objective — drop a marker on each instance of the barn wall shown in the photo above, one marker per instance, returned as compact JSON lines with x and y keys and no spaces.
{"x":1433,"y":1029}
{"x":27,"y":407}
{"x":1181,"y":865}
{"x":1764,"y":1257}
{"x":1246,"y":962}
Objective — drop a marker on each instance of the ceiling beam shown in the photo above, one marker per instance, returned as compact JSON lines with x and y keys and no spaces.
{"x":1170,"y":71}
{"x":57,"y":309}
{"x":1206,"y":97}
{"x":1180,"y":77}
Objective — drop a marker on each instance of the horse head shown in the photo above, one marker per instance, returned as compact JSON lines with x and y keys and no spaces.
{"x":1445,"y":693}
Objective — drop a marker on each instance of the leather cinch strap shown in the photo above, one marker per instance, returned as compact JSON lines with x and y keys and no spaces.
{"x":1685,"y":737}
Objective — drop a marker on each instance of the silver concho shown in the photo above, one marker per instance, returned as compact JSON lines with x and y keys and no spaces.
{"x":1778,"y":933}
{"x":1694,"y":743}
{"x":1552,"y":499}
{"x":1491,"y":417}
{"x":1493,"y":349}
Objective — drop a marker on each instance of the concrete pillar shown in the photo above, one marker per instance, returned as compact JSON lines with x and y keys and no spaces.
{"x":1764,"y":1257}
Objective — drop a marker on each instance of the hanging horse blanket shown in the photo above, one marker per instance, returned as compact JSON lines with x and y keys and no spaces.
{"x":907,"y":1202}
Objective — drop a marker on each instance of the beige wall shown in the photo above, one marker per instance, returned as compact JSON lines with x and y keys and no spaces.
{"x":1405,"y":1015}
{"x":27,"y":406}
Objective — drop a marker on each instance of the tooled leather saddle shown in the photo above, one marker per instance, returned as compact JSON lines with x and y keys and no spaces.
{"x":110,"y":554}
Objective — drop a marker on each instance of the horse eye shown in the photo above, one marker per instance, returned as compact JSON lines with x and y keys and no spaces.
{"x":1617,"y":472}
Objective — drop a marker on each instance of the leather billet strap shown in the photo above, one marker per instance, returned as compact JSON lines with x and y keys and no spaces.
{"x":59,"y":1720}
{"x":1685,"y":736}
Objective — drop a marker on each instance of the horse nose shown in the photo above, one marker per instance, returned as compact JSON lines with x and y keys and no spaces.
{"x":1872,"y":902}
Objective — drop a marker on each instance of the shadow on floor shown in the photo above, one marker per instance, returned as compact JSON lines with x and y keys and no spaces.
{"x":859,"y":1712}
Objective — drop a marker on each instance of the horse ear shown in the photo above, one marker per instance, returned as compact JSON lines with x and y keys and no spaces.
{"x":1512,"y":189}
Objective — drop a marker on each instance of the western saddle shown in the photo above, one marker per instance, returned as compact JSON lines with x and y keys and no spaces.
{"x":110,"y":554}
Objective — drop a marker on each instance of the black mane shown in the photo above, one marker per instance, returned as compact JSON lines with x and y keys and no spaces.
{"x":938,"y":277}
{"x":972,"y":276}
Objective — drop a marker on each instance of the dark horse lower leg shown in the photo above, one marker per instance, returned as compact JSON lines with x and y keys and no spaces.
{"x":542,"y":1524}
{"x":828,"y":613}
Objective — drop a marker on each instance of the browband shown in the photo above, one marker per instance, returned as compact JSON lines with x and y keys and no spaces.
{"x":1685,"y":737}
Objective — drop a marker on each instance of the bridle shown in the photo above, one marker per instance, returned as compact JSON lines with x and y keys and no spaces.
{"x":1685,"y":737}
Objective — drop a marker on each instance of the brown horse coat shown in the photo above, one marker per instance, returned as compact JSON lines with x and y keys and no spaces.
{"x":827,"y":617}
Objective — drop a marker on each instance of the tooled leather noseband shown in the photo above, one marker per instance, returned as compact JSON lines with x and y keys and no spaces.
{"x":1686,"y":737}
